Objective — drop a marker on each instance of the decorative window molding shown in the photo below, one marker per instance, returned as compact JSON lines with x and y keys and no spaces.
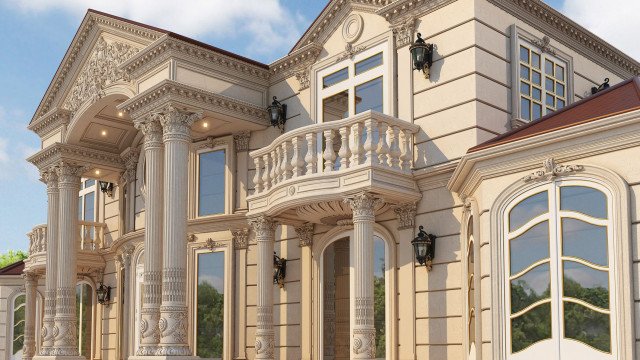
{"x":16,"y":318}
{"x":551,"y":170}
{"x":208,"y":145}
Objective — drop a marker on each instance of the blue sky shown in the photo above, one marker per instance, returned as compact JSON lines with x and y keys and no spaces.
{"x":36,"y":35}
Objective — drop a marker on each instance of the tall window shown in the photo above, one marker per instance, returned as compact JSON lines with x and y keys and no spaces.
{"x":543,"y":82}
{"x":17,"y":327}
{"x":84,"y":314}
{"x":87,"y":200}
{"x":210,"y":305}
{"x":560,"y":295}
{"x":211,"y":183}
{"x":353,"y":86}
{"x":379,"y":298}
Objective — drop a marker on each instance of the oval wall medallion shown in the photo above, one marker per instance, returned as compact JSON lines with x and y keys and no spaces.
{"x":352,"y":28}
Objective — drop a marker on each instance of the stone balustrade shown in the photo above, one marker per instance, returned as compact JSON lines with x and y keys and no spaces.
{"x":369,"y":139}
{"x":38,"y":239}
{"x":91,"y":235}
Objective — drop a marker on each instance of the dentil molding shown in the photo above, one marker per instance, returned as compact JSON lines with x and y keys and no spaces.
{"x":58,"y":152}
{"x":50,"y":121}
{"x":297,"y":63}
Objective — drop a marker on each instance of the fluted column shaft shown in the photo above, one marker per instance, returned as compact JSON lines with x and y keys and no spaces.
{"x":265,"y":229}
{"x":30,"y":285}
{"x":65,"y":328}
{"x":53,"y":200}
{"x":363,"y":332}
{"x":153,"y":192}
{"x":176,"y":126}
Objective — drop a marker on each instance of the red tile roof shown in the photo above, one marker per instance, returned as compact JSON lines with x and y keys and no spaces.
{"x":13,"y":269}
{"x":618,"y":99}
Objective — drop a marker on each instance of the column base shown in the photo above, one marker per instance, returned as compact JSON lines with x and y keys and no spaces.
{"x":164,"y":357}
{"x":58,"y":357}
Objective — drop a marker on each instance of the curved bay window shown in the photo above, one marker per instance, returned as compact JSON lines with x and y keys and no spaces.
{"x":84,"y":314}
{"x":16,"y":330}
{"x":560,"y":296}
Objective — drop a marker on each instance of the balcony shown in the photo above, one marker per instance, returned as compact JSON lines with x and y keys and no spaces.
{"x":90,"y":241}
{"x":323,"y":163}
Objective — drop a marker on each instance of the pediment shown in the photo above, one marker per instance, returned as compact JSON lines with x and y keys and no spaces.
{"x":90,"y":65}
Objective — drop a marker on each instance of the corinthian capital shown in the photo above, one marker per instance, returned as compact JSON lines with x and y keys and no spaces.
{"x":50,"y":177}
{"x":305,"y":234}
{"x":177,"y":123}
{"x":264,"y":227}
{"x":241,"y":141}
{"x":364,"y":205}
{"x":69,"y":173}
{"x":406,"y":215}
{"x":151,"y":129}
{"x":240,"y":238}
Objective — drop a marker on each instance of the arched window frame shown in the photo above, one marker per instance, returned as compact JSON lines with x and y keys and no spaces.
{"x":618,"y":190}
{"x":11,"y":301}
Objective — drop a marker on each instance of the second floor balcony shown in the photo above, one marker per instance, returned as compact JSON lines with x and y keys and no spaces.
{"x":328,"y":161}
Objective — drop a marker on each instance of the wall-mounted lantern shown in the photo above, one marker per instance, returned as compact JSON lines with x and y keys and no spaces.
{"x":424,"y":245}
{"x":605,"y":85}
{"x":277,"y":114}
{"x":421,"y":56}
{"x":106,"y":188}
{"x":279,"y":270}
{"x":103,"y":293}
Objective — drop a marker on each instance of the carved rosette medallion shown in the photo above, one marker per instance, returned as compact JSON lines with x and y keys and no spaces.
{"x":305,"y":234}
{"x":406,"y":215}
{"x":551,"y":170}
{"x":352,"y":28}
{"x":240,"y":238}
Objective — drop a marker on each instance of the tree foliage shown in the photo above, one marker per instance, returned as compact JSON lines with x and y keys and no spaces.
{"x":210,"y":320}
{"x":12,"y":256}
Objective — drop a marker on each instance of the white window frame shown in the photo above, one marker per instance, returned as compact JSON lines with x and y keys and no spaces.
{"x":519,"y":37}
{"x":201,"y":147}
{"x":83,"y":192}
{"x":10,"y":320}
{"x":94,"y":306}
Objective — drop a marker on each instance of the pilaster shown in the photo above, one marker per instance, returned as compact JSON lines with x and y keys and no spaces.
{"x":30,"y":285}
{"x":241,"y":143}
{"x":240,"y":244}
{"x":305,"y":241}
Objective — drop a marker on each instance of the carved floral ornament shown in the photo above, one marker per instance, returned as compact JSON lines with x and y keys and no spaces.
{"x":406,"y":215}
{"x":551,"y":170}
{"x":403,"y":31}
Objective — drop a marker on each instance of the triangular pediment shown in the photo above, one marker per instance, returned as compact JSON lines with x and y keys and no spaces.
{"x":90,"y":65}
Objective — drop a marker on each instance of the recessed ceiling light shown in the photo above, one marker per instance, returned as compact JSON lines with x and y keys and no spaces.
{"x":205,"y":125}
{"x":97,"y":172}
{"x":120,"y":113}
{"x":104,"y":133}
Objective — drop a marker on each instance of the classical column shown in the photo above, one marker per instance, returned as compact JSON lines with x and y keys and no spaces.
{"x":152,"y":274}
{"x":241,"y":142}
{"x":363,"y":332}
{"x":30,"y":285}
{"x":265,"y":230}
{"x":65,"y":328}
{"x":240,"y":244}
{"x":53,"y":199}
{"x":176,"y":126}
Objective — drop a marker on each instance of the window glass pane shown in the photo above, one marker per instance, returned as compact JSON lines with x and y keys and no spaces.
{"x":531,"y":327}
{"x":524,"y":54}
{"x":89,"y":207}
{"x":336,"y":107}
{"x":527,"y":209}
{"x":379,"y":297}
{"x":89,"y":183}
{"x":529,"y":247}
{"x":17,"y":340}
{"x":525,"y":88}
{"x":368,"y":63}
{"x":533,"y":286}
{"x":525,"y":111}
{"x":549,"y":85}
{"x":84,"y":312}
{"x":335,"y":78}
{"x":537,"y":111}
{"x":211,"y":199}
{"x":559,"y":104}
{"x":584,"y":241}
{"x":536,"y":77}
{"x":210,"y":305}
{"x":559,"y":89}
{"x":524,"y":72}
{"x":535,"y":60}
{"x":80,"y":208}
{"x":550,"y":100}
{"x":548,"y":67}
{"x":559,"y":72}
{"x":585,"y":200}
{"x":537,"y":93}
{"x":369,"y":96}
{"x":584,"y":283}
{"x":588,"y":326}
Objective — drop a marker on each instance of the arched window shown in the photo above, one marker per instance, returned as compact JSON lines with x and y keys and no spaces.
{"x":16,"y":331}
{"x":84,"y":313}
{"x":560,"y":291}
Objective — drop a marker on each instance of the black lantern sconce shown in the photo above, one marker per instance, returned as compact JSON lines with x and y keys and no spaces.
{"x":421,"y":55}
{"x":277,"y":114}
{"x":424,"y":245}
{"x":279,"y":270}
{"x":103,"y":293}
{"x":106,"y":188}
{"x":605,"y":85}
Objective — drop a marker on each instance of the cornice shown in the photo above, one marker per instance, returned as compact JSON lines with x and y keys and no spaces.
{"x":58,"y":152}
{"x":398,"y":11}
{"x":168,"y":91}
{"x":168,"y":47}
{"x":298,"y":60}
{"x":553,"y":23}
{"x":88,"y":25}
{"x":50,"y":121}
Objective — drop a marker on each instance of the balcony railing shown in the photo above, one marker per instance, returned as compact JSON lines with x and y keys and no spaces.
{"x":38,"y":239}
{"x":90,"y":237}
{"x":369,"y":139}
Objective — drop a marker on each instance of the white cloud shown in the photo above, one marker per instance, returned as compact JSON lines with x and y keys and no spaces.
{"x":615,"y":21}
{"x":15,"y":147}
{"x":266,"y":26}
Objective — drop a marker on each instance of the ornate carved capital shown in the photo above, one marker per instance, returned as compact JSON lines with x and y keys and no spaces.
{"x":240,"y":238}
{"x":551,"y":170}
{"x":403,"y":32}
{"x":364,"y":205}
{"x":69,"y":174}
{"x":30,"y":278}
{"x":241,"y":140}
{"x":264,"y":227}
{"x":50,"y":177}
{"x":303,"y":78}
{"x":124,"y":257}
{"x":151,"y":129}
{"x":176,"y":123}
{"x":406,"y":215}
{"x":305,"y":234}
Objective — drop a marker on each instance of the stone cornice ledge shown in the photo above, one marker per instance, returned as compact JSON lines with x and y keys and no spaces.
{"x":50,"y":121}
{"x":57,"y":152}
{"x":168,"y":91}
{"x":554,"y":24}
{"x":297,"y":60}
{"x":398,"y":11}
{"x":563,"y":145}
{"x":167,"y":47}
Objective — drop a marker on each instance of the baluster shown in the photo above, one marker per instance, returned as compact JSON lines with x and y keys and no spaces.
{"x":383,"y":147}
{"x":274,"y":166}
{"x":312,"y":157}
{"x":357,"y":150}
{"x":406,"y":151}
{"x":370,"y":145}
{"x":286,"y":163}
{"x":297,"y":163}
{"x":344,"y":152}
{"x":329,"y":154}
{"x":266,"y":177}
{"x":257,"y":179}
{"x":394,"y":151}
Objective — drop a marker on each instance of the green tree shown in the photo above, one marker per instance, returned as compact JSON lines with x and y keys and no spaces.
{"x":11,"y":257}
{"x":210,"y":321}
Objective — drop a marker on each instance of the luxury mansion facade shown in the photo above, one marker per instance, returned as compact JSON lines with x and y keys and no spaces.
{"x":415,"y":179}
